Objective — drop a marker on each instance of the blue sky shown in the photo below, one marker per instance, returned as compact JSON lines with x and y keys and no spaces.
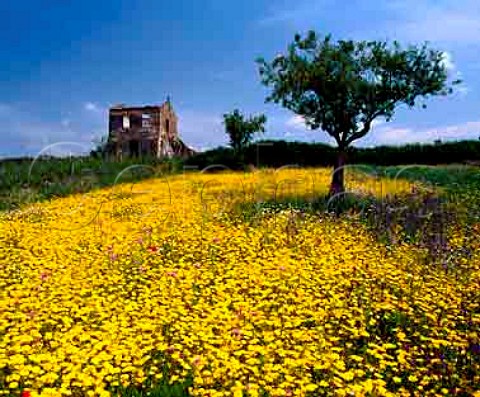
{"x":64,"y":63}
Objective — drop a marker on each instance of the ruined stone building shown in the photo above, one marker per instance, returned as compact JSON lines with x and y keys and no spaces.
{"x":145,"y":131}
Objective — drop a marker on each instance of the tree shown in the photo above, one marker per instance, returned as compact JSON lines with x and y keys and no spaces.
{"x":240,"y":129}
{"x":102,"y":147}
{"x":342,"y":87}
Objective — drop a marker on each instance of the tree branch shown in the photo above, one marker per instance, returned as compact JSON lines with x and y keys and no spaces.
{"x":368,"y":122}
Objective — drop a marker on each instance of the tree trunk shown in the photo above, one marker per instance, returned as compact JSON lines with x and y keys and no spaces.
{"x":337,"y":186}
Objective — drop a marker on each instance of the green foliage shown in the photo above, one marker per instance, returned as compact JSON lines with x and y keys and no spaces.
{"x":160,"y":389}
{"x":342,"y":87}
{"x":450,"y":177}
{"x":24,"y":181}
{"x":272,"y":153}
{"x":459,"y":186}
{"x":443,"y":153}
{"x":29,"y":180}
{"x":241,"y":129}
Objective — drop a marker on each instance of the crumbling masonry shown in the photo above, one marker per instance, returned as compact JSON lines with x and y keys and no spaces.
{"x":145,"y":131}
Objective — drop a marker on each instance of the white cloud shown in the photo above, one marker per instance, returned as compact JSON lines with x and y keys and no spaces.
{"x":92,"y":107}
{"x":446,"y":22}
{"x":455,"y":74}
{"x":294,"y":14}
{"x":224,"y":75}
{"x":66,"y":123}
{"x":462,"y":90}
{"x":440,"y":26}
{"x":399,"y":135}
{"x":64,"y":148}
{"x":26,"y":134}
{"x":447,"y":61}
{"x":296,"y":122}
{"x":200,"y":129}
{"x":373,"y":124}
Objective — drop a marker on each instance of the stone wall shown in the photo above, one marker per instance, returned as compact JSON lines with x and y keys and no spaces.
{"x":146,"y":130}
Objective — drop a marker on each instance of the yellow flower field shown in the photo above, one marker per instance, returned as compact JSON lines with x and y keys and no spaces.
{"x":155,"y":284}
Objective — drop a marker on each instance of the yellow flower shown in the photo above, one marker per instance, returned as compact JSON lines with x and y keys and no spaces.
{"x":108,"y":288}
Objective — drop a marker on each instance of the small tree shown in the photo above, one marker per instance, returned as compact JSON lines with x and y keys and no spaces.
{"x":240,"y":129}
{"x":102,"y":147}
{"x":342,"y":87}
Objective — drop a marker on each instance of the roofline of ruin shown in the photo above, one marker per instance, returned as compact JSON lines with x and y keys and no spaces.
{"x":146,"y":107}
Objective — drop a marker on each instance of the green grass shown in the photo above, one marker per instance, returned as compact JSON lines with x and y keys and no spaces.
{"x":448,"y":176}
{"x":458,"y":185}
{"x":27,"y":180}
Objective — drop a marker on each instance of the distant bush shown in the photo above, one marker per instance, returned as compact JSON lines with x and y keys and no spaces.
{"x":430,"y":154}
{"x":273,"y":153}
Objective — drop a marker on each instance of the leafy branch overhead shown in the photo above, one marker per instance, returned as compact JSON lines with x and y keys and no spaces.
{"x":341,"y":87}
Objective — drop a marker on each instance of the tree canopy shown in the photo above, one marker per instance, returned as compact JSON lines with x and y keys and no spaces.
{"x":341,"y":87}
{"x":241,"y":129}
